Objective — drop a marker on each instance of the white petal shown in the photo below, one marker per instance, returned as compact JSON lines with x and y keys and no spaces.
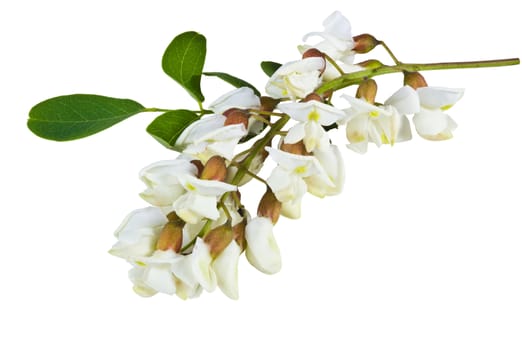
{"x":262,"y":250}
{"x":338,"y":25}
{"x":192,"y":207}
{"x":357,"y":129}
{"x":136,"y":277}
{"x":182,"y":269}
{"x":201,"y":266}
{"x":243,"y":97}
{"x":159,"y":278}
{"x":405,"y":100}
{"x":291,"y":209}
{"x":332,"y":162}
{"x":439,"y":97}
{"x":300,"y":165}
{"x":225,"y":267}
{"x":138,"y":233}
{"x":206,"y":187}
{"x":404,"y":133}
{"x":139,"y":222}
{"x":315,"y":136}
{"x":296,"y":133}
{"x":196,"y":131}
{"x":429,"y":123}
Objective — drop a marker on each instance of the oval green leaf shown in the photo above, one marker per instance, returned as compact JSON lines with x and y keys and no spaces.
{"x":232,"y":80}
{"x":168,"y":127}
{"x":71,"y":117}
{"x":270,"y":67}
{"x":183,"y":61}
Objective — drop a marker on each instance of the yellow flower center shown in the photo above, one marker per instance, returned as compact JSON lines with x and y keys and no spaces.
{"x":191,"y":187}
{"x":300,"y":170}
{"x":374,"y":114}
{"x":314,"y":116}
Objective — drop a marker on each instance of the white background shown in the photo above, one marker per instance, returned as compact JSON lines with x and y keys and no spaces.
{"x":421,"y":251}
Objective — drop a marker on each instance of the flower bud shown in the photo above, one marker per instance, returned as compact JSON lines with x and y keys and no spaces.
{"x":236,"y":116}
{"x":370,"y":64}
{"x":170,"y":237}
{"x":364,"y":43}
{"x":215,"y":169}
{"x":415,"y":80}
{"x":367,"y":90}
{"x":312,"y":97}
{"x":298,"y":148}
{"x":268,"y":104}
{"x":219,"y":238}
{"x":174,"y":218}
{"x":269,"y":206}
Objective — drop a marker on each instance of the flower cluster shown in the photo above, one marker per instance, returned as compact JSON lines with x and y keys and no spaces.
{"x":191,"y":236}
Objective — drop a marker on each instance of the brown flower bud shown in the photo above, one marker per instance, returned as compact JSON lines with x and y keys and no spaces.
{"x":367,"y":90}
{"x":269,"y":206}
{"x":364,"y":43}
{"x":239,"y":234}
{"x":171,"y":237}
{"x":312,"y":53}
{"x":268,"y":104}
{"x":173,"y":217}
{"x":236,"y":116}
{"x":312,"y":97}
{"x":298,"y":148}
{"x":199,"y":166}
{"x":415,"y":80}
{"x":215,"y":169}
{"x":219,"y":238}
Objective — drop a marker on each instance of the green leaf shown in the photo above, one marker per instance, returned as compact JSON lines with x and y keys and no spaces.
{"x":270,"y":67}
{"x":167,"y":127}
{"x":71,"y":117}
{"x":183,"y":61}
{"x":232,"y":80}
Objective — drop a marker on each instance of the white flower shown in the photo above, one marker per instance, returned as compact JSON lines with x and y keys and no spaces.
{"x":296,"y":79}
{"x":225,"y":268}
{"x":332,"y":163}
{"x":220,"y":271}
{"x":200,"y":199}
{"x":164,"y":272}
{"x":208,"y":137}
{"x":201,"y":265}
{"x":380,"y":125}
{"x":138,"y":233}
{"x":431,"y":122}
{"x":312,"y":116}
{"x":243,"y":97}
{"x":262,"y":250}
{"x":286,"y":179}
{"x":161,"y":178}
{"x":337,"y":38}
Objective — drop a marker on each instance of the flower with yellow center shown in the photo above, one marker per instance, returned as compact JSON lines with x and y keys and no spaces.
{"x":311,"y":116}
{"x":387,"y":124}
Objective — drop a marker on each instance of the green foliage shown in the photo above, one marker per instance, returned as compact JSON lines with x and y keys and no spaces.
{"x":270,"y":67}
{"x":232,"y":80}
{"x":183,"y":61}
{"x":167,"y":127}
{"x":71,"y":117}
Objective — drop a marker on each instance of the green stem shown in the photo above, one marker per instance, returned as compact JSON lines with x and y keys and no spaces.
{"x":258,"y":147}
{"x":357,"y":77}
{"x":383,"y":44}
